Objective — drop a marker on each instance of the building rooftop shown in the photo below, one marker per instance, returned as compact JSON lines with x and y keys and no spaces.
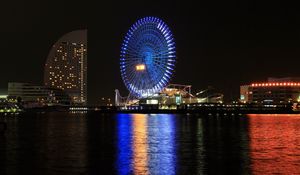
{"x":284,"y":79}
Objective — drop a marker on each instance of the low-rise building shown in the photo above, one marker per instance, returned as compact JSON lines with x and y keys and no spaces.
{"x":275,"y":90}
{"x":31,"y":95}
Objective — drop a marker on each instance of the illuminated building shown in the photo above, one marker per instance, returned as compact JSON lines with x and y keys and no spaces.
{"x":209,"y":95}
{"x":275,"y":90}
{"x":66,"y":66}
{"x":173,"y":96}
{"x":6,"y":105}
{"x":37,"y":96}
{"x":3,"y":95}
{"x":169,"y":98}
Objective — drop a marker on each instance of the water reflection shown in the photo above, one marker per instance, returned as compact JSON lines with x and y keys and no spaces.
{"x":161,"y":141}
{"x":212,"y":145}
{"x":140,"y":144}
{"x":124,"y":132}
{"x":275,"y":144}
{"x":93,"y":143}
{"x":191,"y":148}
{"x":146,"y":144}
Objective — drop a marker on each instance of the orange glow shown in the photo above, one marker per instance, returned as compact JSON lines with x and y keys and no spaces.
{"x":275,"y":84}
{"x":140,"y":67}
{"x":140,"y":146}
{"x":274,"y":144}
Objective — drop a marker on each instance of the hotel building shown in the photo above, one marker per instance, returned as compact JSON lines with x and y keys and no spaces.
{"x":66,"y":66}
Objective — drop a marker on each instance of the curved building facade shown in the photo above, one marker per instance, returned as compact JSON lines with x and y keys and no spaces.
{"x":66,"y":66}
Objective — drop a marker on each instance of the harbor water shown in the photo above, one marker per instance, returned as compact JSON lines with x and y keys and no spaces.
{"x":95,"y":143}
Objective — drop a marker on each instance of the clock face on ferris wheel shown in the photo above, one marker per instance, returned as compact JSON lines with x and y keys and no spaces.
{"x":148,"y":57}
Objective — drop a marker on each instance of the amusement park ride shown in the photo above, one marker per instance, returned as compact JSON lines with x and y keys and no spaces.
{"x":147,"y":63}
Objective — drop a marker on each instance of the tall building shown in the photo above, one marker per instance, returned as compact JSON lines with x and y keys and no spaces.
{"x":66,"y":66}
{"x":275,"y":90}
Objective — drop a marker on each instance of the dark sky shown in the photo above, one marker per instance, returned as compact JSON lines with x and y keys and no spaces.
{"x":219,"y":43}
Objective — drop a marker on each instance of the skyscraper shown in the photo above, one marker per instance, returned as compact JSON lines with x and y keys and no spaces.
{"x":66,"y":66}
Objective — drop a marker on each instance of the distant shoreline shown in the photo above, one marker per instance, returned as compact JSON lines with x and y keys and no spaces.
{"x":200,"y":109}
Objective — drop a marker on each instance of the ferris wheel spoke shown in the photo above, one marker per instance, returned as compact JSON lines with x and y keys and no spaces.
{"x":132,"y":64}
{"x":132,"y":51}
{"x":158,"y":73}
{"x":163,"y":53}
{"x":131,"y":75}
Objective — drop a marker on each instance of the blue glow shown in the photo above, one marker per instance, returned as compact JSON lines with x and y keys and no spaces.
{"x":160,"y":85}
{"x":124,"y":134}
{"x":169,"y":69}
{"x":171,"y":44}
{"x":146,"y":143}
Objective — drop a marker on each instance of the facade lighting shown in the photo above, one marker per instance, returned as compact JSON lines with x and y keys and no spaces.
{"x":275,"y":84}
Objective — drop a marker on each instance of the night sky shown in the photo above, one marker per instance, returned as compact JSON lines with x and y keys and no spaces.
{"x":219,"y":43}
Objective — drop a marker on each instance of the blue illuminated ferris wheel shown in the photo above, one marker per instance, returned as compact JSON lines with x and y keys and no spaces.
{"x":147,"y":57}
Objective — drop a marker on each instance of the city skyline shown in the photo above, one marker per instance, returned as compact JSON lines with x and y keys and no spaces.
{"x":149,"y":87}
{"x":222,"y":45}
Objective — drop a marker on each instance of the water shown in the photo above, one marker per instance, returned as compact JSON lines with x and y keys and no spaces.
{"x":66,"y":143}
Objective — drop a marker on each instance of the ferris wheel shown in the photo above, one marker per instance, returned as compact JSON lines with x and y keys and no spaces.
{"x":148,"y":57}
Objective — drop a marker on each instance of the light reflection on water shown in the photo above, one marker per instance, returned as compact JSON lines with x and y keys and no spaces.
{"x":146,"y":144}
{"x":169,"y":144}
{"x":275,"y":143}
{"x":95,"y":143}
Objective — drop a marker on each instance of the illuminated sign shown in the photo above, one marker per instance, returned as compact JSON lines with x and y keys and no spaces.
{"x":152,"y":102}
{"x":140,"y":67}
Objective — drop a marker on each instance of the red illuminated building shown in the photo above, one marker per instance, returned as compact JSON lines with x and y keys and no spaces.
{"x":275,"y":90}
